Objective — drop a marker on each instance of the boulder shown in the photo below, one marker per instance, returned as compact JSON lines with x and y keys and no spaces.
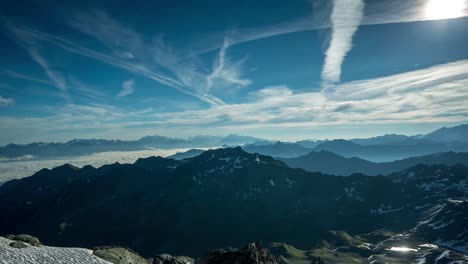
{"x":253,"y":253}
{"x":317,"y":260}
{"x":18,"y":244}
{"x":168,"y":259}
{"x":33,"y":241}
{"x":119,"y":255}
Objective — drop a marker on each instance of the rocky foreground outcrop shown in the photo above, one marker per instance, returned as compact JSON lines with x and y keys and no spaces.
{"x":168,"y":259}
{"x":16,"y":252}
{"x":253,"y":253}
{"x":119,"y":255}
{"x":18,"y":246}
{"x":33,"y":241}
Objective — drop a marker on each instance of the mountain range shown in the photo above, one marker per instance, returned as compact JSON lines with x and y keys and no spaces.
{"x":227,"y":197}
{"x":381,"y":153}
{"x":78,"y":147}
{"x":377,"y":149}
{"x":278,"y":149}
{"x":441,"y":135}
{"x":186,"y":154}
{"x":331,"y":163}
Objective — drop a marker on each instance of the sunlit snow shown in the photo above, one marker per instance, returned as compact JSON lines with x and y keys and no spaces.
{"x":46,"y":255}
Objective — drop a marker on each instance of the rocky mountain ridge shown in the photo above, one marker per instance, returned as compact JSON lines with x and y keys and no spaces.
{"x":228,"y":197}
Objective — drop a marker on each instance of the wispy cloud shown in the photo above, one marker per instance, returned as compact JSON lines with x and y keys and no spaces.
{"x":224,"y":78}
{"x":428,"y":95}
{"x":376,"y":12}
{"x":29,"y":44}
{"x":127,"y":44}
{"x":345,"y":18}
{"x":123,"y":41}
{"x":76,"y":86}
{"x":127,"y":88}
{"x":182,"y":71}
{"x":17,"y":75}
{"x":436,"y":94}
{"x":137,"y":68}
{"x":129,"y":51}
{"x":433,"y":95}
{"x":224,"y":72}
{"x":5,"y":101}
{"x":56,"y":77}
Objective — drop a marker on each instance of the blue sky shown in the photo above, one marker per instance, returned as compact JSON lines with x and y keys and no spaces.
{"x":278,"y":69}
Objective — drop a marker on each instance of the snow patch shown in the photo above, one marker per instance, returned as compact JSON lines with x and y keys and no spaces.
{"x":384,"y":209}
{"x":422,"y":206}
{"x":440,"y":224}
{"x":196,"y":180}
{"x":453,"y":244}
{"x":351,"y":193}
{"x":403,"y":249}
{"x":443,"y":255}
{"x":227,"y":159}
{"x":46,"y":255}
{"x":429,"y":246}
{"x":290,"y":182}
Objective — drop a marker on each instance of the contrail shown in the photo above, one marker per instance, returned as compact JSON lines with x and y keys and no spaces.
{"x":345,"y":19}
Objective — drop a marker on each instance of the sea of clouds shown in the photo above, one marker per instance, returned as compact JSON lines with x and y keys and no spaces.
{"x":20,"y":168}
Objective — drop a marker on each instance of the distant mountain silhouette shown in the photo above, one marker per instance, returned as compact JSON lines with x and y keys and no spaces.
{"x":278,"y":149}
{"x":449,"y":135}
{"x":220,"y":198}
{"x":388,"y":139}
{"x":310,"y":143}
{"x":331,"y":163}
{"x":78,"y":147}
{"x":381,"y":153}
{"x":385,"y":148}
{"x":187,"y":154}
{"x":455,"y":134}
{"x":377,"y":149}
{"x":238,"y":140}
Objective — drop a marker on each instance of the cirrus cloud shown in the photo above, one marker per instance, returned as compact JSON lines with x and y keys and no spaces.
{"x":5,"y":101}
{"x":436,"y":94}
{"x":127,"y":88}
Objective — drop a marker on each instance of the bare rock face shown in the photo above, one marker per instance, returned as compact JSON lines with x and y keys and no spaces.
{"x":317,"y":260}
{"x":253,"y":253}
{"x":18,"y":244}
{"x":168,"y":259}
{"x":119,"y":255}
{"x":33,"y":241}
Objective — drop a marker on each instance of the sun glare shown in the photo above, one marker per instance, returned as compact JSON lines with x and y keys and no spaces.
{"x":443,"y":9}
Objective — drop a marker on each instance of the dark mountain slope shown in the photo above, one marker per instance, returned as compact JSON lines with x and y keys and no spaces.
{"x":329,"y":163}
{"x":221,"y":198}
